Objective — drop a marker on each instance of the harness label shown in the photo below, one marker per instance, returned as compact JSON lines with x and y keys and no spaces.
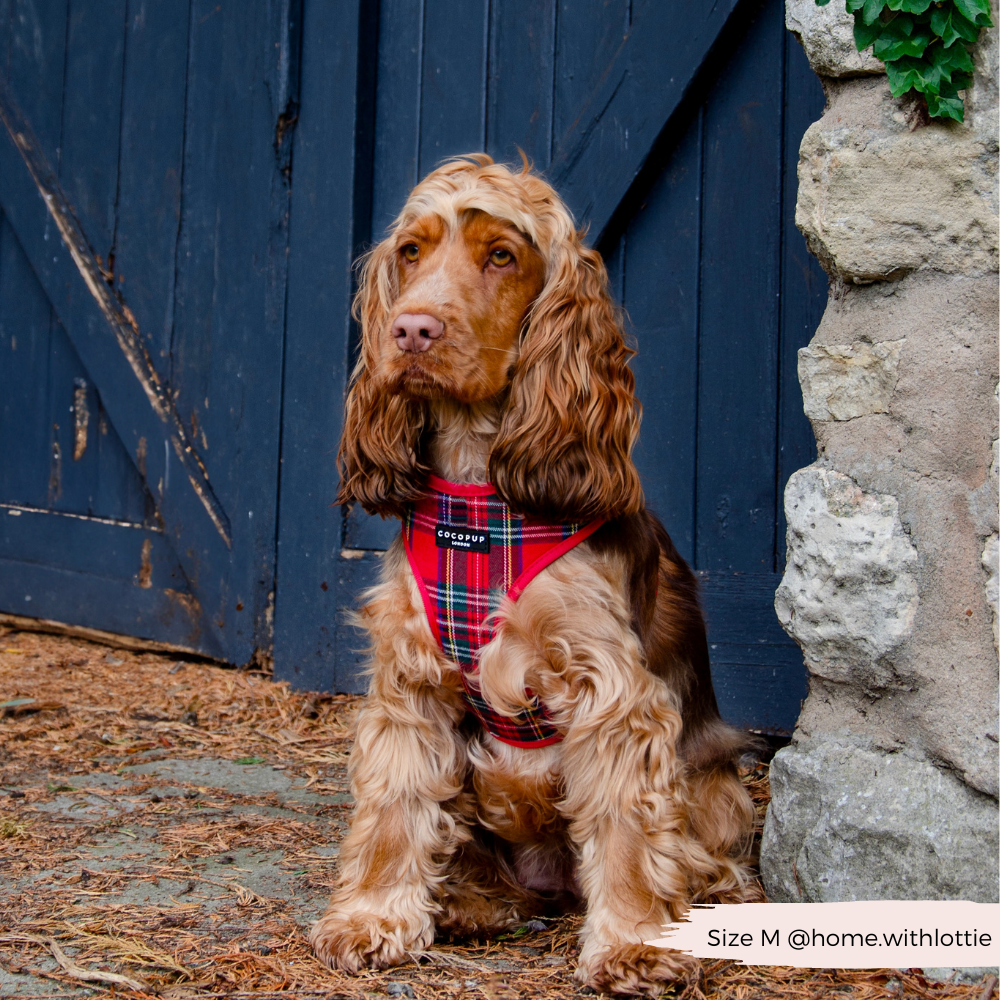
{"x":448,"y":536}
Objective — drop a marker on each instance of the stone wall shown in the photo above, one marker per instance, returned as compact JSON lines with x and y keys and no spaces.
{"x":889,"y":789}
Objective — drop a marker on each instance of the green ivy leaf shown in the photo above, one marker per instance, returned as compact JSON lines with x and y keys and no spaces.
{"x":945,"y":107}
{"x":923,"y":44}
{"x":904,"y":75}
{"x":900,"y":39}
{"x":950,"y":26}
{"x":872,"y":9}
{"x":910,"y":6}
{"x":949,"y":60}
{"x":865,"y":34}
{"x":977,"y":11}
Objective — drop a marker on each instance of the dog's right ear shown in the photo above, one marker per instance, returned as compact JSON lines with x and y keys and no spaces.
{"x":379,"y":458}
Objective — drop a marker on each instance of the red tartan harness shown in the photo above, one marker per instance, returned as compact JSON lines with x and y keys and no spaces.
{"x":468,"y":551}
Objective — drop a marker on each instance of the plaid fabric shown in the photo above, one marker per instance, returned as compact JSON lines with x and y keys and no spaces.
{"x":461,"y":588}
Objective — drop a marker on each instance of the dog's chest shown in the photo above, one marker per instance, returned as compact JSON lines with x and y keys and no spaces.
{"x":469,"y":552}
{"x":518,"y":790}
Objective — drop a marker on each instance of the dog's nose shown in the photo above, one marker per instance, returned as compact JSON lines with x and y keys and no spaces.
{"x":415,"y":331}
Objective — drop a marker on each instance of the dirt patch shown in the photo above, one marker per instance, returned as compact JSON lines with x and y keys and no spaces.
{"x":177,"y":824}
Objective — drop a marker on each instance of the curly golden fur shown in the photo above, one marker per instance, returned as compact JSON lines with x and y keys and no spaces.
{"x":638,"y":811}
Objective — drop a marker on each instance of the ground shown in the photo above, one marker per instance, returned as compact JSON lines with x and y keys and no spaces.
{"x":170,"y":828}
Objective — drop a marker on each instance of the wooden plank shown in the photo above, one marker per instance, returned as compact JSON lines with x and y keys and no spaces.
{"x":79,"y":542}
{"x":393,"y":171}
{"x":43,"y":449}
{"x":519,"y":89}
{"x":94,"y":474}
{"x":738,"y":364}
{"x":453,"y":81}
{"x":332,"y":655}
{"x":397,"y":109}
{"x":25,"y":324}
{"x":757,"y":671}
{"x":36,"y":30}
{"x":604,"y":145}
{"x":663,"y":245}
{"x":73,"y":469}
{"x":313,"y":581}
{"x":116,"y":640}
{"x":52,"y":565}
{"x":589,"y":36}
{"x":135,"y":398}
{"x":226,"y":348}
{"x":120,"y":491}
{"x":803,"y":284}
{"x":152,"y":155}
{"x":88,"y":163}
{"x":65,"y":595}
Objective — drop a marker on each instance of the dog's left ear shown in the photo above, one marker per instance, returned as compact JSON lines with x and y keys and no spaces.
{"x":564,"y":450}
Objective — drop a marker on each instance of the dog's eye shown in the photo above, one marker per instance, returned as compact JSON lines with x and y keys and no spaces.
{"x":501,"y":257}
{"x":411,"y":252}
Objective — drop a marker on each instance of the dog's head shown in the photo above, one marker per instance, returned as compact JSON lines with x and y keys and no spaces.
{"x":483,"y":290}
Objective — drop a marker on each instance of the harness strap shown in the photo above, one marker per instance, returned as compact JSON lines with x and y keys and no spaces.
{"x":468,"y":551}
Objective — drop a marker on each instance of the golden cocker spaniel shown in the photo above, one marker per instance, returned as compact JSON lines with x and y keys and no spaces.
{"x":540,"y":729}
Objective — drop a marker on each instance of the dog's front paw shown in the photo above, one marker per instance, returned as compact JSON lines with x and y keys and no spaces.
{"x":632,"y":969}
{"x":353,"y":941}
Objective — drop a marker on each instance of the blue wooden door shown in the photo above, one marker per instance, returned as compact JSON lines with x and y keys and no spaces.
{"x":183,"y":189}
{"x":673,"y":135}
{"x":144,"y":186}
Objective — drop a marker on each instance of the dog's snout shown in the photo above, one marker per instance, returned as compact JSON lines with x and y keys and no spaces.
{"x":415,"y":331}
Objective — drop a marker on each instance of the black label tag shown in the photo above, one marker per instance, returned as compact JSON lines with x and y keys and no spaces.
{"x":449,"y":536}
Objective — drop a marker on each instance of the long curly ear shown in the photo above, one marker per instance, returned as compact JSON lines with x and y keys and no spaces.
{"x":379,"y":458}
{"x":564,"y":450}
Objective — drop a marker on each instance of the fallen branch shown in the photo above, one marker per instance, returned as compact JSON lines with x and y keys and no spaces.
{"x":78,"y":971}
{"x":448,"y":960}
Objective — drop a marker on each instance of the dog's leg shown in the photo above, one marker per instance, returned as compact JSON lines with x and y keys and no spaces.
{"x":479,"y":893}
{"x":626,"y":801}
{"x":626,"y":798}
{"x":408,"y":766}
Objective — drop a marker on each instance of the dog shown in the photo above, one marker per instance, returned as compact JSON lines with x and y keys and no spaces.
{"x":540,"y":729}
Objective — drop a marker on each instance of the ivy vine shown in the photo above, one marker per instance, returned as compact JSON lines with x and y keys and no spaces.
{"x":924,"y":45}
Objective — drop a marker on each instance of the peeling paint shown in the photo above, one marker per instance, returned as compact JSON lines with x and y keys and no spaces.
{"x":55,"y":468}
{"x":146,"y":565}
{"x":140,"y":456}
{"x":81,"y":419}
{"x":188,"y":602}
{"x":17,"y":509}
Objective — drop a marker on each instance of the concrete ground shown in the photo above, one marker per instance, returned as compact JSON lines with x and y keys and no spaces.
{"x":129,"y":864}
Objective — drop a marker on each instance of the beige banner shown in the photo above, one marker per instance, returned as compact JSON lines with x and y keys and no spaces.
{"x":855,"y":935}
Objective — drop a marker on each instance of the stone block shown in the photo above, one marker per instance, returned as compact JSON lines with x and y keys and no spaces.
{"x":877,"y":201}
{"x":849,"y":822}
{"x":843,"y":381}
{"x":981,"y":102}
{"x":827,"y":35}
{"x":849,"y":592}
{"x":991,"y":564}
{"x":933,"y":453}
